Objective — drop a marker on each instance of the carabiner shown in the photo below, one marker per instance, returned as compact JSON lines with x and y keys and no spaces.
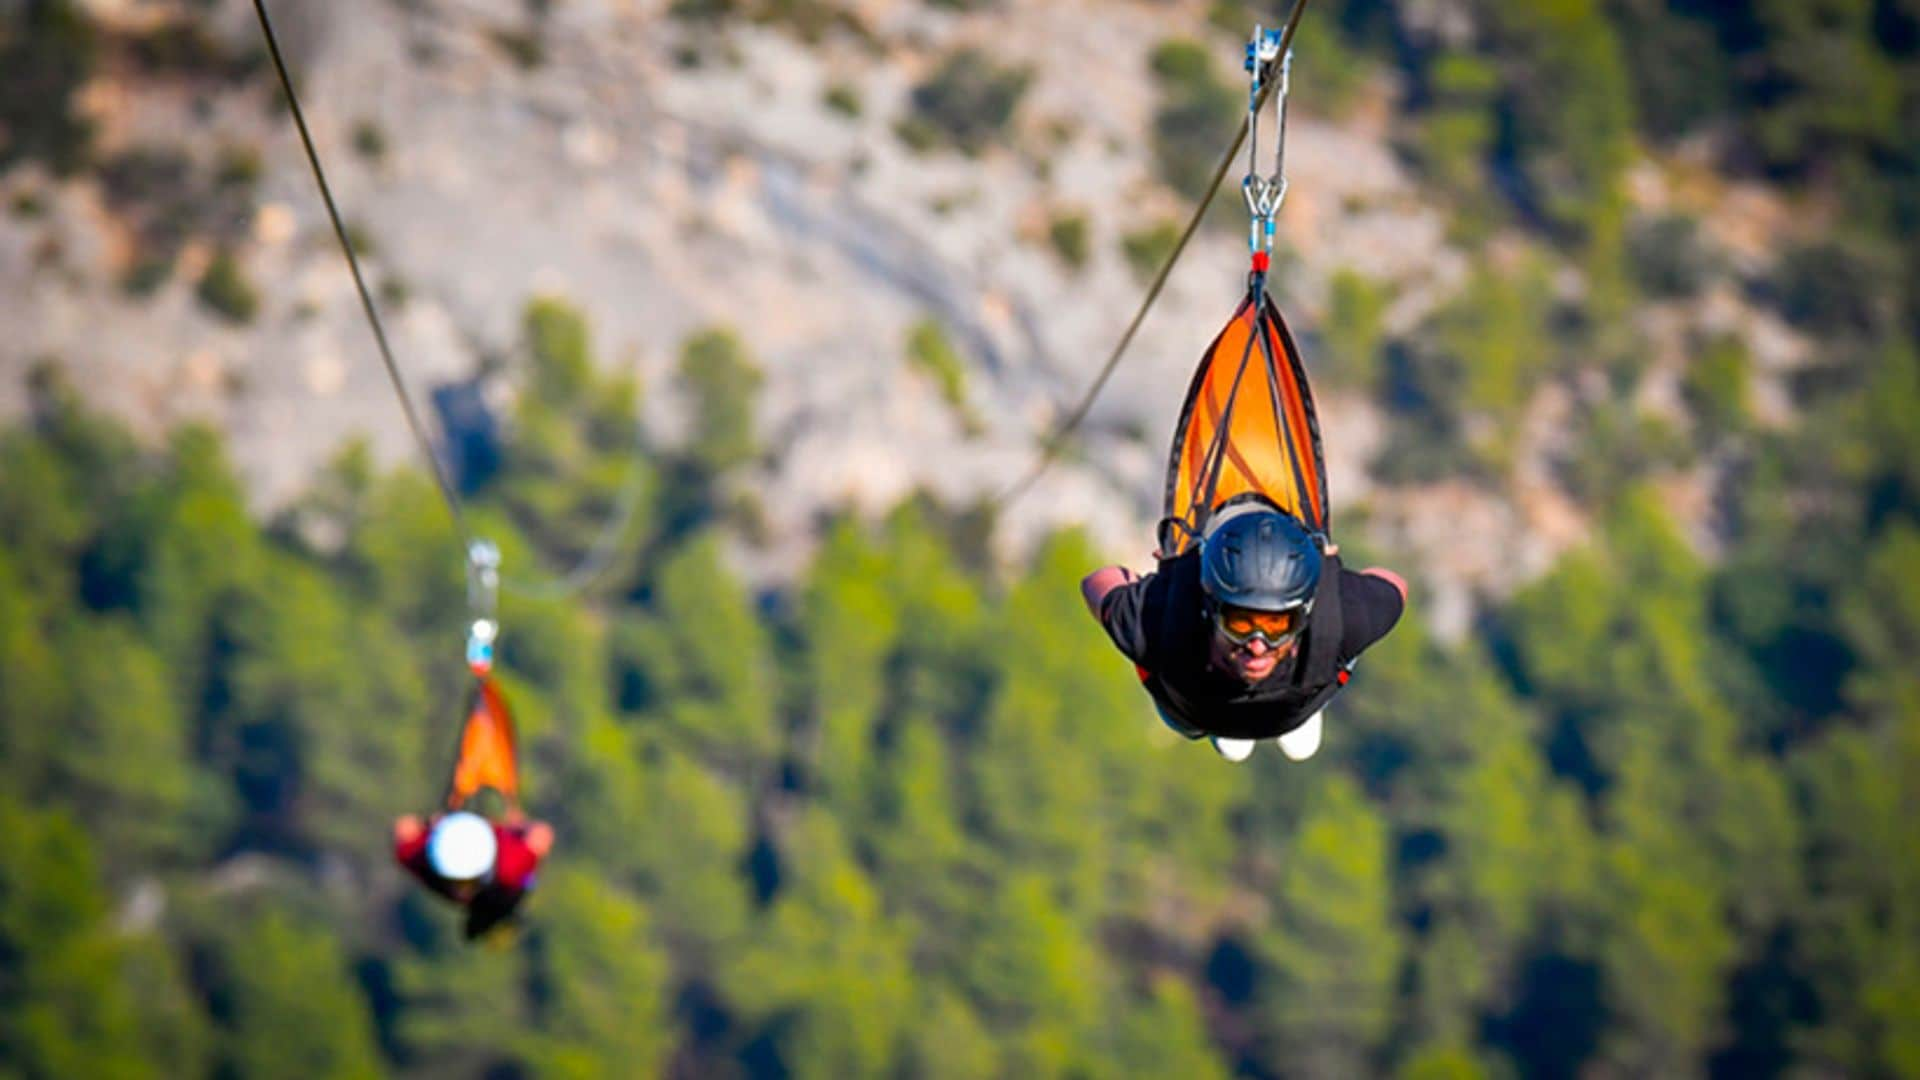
{"x":483,"y":598}
{"x":1265,"y":194}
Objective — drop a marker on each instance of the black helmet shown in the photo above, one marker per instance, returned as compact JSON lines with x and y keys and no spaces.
{"x":1254,"y":556}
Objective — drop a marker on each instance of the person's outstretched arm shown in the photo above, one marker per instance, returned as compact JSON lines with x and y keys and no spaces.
{"x":1371,"y":603}
{"x":409,"y":840}
{"x":1390,"y":578}
{"x":1095,"y":586}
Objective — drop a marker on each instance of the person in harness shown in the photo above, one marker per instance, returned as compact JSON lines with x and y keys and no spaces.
{"x":1251,"y":624}
{"x":485,"y":862}
{"x":486,"y":867}
{"x":1249,"y":633}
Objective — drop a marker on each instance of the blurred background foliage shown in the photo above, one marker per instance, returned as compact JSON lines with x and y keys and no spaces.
{"x":1655,"y":820}
{"x":912,"y":816}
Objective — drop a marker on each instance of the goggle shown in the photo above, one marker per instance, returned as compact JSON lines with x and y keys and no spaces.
{"x":1241,"y":625}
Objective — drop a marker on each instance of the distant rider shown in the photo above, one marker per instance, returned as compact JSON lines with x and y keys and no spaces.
{"x":484,"y":866}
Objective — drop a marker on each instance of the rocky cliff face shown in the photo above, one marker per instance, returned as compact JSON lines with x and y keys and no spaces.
{"x":668,"y":173}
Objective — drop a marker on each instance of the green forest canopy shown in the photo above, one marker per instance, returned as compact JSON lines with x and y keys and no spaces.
{"x":909,"y":817}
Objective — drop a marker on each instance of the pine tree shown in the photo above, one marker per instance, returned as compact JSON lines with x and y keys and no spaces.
{"x":291,"y":1005}
{"x":1333,"y":948}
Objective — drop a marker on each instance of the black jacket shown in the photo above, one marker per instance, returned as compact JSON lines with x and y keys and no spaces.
{"x":1160,"y":622}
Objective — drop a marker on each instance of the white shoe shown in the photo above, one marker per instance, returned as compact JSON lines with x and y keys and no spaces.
{"x":1235,"y":750}
{"x":1301,"y":743}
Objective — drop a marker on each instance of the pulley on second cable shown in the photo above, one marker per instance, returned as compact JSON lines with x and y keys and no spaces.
{"x":483,"y":604}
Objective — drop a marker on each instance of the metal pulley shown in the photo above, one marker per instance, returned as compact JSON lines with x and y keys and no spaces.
{"x":1267,"y":58}
{"x":483,"y":598}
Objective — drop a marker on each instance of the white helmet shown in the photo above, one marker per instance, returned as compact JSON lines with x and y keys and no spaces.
{"x":462,"y":847}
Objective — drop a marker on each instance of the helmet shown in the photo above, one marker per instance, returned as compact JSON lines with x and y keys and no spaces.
{"x":1254,"y":556}
{"x":462,"y":847}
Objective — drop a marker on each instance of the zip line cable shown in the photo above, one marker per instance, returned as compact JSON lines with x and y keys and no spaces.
{"x":1057,"y":441}
{"x":440,"y":475}
{"x":600,"y":554}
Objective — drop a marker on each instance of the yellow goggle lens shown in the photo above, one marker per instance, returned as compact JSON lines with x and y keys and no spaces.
{"x":1242,"y":623}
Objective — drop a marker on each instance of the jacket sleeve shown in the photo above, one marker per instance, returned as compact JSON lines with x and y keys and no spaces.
{"x":1124,"y":614}
{"x":515,"y":865}
{"x":412,"y":853}
{"x":1370,"y":607}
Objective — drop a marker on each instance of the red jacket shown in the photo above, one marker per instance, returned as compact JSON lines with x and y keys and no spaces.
{"x":513,"y":866}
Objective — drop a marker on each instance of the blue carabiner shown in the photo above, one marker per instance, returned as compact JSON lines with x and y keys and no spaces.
{"x":1262,"y":49}
{"x":483,"y":596}
{"x":480,"y":638}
